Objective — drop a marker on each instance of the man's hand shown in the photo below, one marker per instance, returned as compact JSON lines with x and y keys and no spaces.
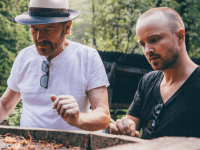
{"x":67,"y":107}
{"x":124,"y":126}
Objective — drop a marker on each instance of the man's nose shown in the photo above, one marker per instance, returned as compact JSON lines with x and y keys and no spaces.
{"x":40,"y":36}
{"x":148,"y":50}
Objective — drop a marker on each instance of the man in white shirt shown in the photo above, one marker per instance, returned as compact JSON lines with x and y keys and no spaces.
{"x":56,"y":79}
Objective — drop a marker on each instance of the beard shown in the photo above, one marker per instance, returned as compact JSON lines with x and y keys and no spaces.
{"x":170,"y":59}
{"x":50,"y":47}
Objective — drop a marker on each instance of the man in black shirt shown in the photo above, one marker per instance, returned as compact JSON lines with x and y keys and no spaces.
{"x":167,"y":102}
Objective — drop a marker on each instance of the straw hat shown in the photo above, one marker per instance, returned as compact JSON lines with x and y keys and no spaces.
{"x":47,"y":11}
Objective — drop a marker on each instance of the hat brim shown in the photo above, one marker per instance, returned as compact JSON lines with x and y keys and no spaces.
{"x":26,"y":19}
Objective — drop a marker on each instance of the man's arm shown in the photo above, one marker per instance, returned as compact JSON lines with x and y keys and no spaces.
{"x":8,"y":101}
{"x":100,"y":115}
{"x":128,"y":125}
{"x":97,"y":119}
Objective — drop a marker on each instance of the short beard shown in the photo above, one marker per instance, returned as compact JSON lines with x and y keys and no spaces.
{"x":170,"y":59}
{"x":53,"y":47}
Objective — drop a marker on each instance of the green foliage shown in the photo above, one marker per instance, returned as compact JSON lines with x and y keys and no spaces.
{"x":13,"y":38}
{"x":81,"y":23}
{"x":190,"y":10}
{"x":114,"y":23}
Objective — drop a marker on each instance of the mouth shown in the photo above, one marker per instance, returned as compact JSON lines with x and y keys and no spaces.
{"x":153,"y":58}
{"x":42,"y":45}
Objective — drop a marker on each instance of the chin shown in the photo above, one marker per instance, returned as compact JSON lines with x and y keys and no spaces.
{"x":42,"y":52}
{"x":157,"y":66}
{"x":160,"y":67}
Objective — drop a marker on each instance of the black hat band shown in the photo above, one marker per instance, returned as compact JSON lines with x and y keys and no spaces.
{"x":48,"y":12}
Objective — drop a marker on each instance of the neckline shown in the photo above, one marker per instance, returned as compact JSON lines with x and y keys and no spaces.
{"x":59,"y":55}
{"x":160,"y":100}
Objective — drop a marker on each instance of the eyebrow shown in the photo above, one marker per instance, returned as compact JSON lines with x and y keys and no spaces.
{"x":157,"y":34}
{"x":49,"y":26}
{"x":153,"y":35}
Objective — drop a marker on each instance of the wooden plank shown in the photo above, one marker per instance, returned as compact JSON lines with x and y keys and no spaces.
{"x":98,"y":141}
{"x":164,"y":143}
{"x":66,"y":137}
{"x":83,"y":139}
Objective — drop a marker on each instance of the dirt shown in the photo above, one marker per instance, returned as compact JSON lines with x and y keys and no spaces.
{"x":8,"y":142}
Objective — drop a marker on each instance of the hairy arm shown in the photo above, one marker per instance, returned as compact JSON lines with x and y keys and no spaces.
{"x":99,"y":118}
{"x":8,"y":101}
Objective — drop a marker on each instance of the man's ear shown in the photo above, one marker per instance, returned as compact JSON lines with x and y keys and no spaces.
{"x":68,"y":27}
{"x":181,"y":35}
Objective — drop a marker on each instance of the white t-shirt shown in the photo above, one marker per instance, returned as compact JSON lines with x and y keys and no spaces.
{"x":74,"y":71}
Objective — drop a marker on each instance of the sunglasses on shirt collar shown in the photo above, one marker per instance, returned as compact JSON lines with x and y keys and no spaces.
{"x":152,"y":123}
{"x":45,"y":78}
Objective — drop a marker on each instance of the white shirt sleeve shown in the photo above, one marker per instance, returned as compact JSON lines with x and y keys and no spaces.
{"x":12,"y":80}
{"x":96,"y":72}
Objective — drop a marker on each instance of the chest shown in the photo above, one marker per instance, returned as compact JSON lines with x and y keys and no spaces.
{"x":177,"y":100}
{"x":180,"y":112}
{"x":167,"y":91}
{"x":64,"y":79}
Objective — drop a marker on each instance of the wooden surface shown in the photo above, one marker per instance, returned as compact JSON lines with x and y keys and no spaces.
{"x":99,"y":141}
{"x":84,"y":139}
{"x":73,"y":138}
{"x":164,"y":143}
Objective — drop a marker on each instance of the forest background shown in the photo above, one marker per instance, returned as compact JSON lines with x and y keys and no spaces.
{"x":107,"y":25}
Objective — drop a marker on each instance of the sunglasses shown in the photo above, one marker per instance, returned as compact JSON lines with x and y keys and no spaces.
{"x":45,"y":78}
{"x":152,"y":123}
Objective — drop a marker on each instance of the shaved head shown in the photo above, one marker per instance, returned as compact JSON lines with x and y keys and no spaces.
{"x":172,"y":18}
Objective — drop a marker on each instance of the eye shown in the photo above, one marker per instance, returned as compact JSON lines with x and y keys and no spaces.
{"x":48,"y":30}
{"x":153,"y":40}
{"x":34,"y":29}
{"x":142,"y":44}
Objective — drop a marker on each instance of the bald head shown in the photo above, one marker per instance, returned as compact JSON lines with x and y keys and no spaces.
{"x":171,"y":17}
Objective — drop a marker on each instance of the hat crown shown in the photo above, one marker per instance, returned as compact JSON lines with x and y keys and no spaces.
{"x":47,"y":11}
{"x":49,"y":4}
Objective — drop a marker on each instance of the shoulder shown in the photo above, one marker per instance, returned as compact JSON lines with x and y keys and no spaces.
{"x":82,"y":49}
{"x":152,"y":76}
{"x":28,"y":57}
{"x":149,"y":79}
{"x":28,"y":53}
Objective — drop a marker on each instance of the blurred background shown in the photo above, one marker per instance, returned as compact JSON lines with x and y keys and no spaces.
{"x":107,"y":25}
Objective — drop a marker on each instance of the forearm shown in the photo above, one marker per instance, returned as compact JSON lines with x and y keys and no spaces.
{"x":95,"y":120}
{"x":8,"y":101}
{"x":3,"y":112}
{"x":68,"y":108}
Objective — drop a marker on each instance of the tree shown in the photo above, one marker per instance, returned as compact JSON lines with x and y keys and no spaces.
{"x":114,"y":23}
{"x":13,"y":38}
